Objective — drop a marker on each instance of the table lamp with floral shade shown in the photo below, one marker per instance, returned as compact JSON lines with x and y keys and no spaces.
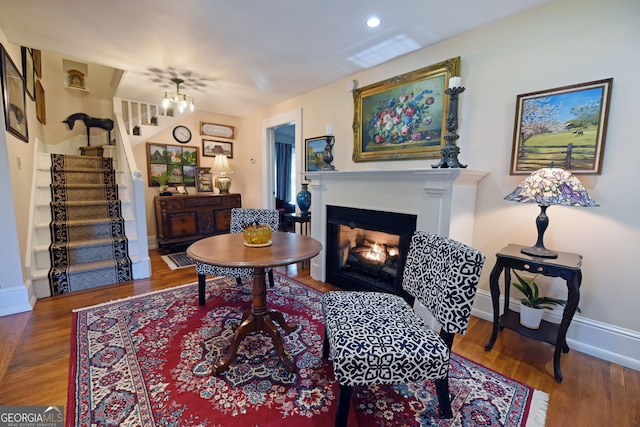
{"x":546,"y":187}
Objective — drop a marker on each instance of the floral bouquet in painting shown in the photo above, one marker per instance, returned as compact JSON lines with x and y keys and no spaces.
{"x":401,"y":119}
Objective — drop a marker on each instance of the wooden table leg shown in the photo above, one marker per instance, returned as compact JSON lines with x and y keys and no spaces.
{"x":258,"y":319}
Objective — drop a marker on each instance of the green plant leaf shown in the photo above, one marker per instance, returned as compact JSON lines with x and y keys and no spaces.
{"x":532,"y":294}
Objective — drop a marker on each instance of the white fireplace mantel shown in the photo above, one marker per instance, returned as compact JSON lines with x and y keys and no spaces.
{"x":442,"y":199}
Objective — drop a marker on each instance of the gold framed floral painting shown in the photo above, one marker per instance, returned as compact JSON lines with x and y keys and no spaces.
{"x":403,"y":117}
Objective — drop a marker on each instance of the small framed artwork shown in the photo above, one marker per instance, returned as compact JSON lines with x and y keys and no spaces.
{"x":212,"y":148}
{"x":403,"y":117}
{"x":180,"y":189}
{"x":214,"y":129}
{"x":37,"y":62}
{"x":564,"y":126}
{"x":41,"y":111}
{"x":177,"y":162}
{"x":314,"y":149}
{"x":204,"y":182}
{"x":28,"y":72}
{"x":14,"y":98}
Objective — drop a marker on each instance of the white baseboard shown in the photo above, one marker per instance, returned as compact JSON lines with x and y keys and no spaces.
{"x":14,"y":300}
{"x":597,"y":339}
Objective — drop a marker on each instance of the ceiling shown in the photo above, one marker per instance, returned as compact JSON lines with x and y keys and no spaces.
{"x":237,"y":56}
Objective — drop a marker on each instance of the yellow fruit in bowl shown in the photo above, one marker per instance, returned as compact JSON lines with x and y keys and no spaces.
{"x":257,"y":234}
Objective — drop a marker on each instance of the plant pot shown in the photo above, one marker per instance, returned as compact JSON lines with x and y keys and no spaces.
{"x":530,"y":317}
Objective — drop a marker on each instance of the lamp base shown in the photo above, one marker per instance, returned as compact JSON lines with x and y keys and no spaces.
{"x":223,"y":183}
{"x":540,"y":252}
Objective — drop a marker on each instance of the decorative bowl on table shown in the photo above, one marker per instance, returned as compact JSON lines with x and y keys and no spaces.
{"x":257,"y":235}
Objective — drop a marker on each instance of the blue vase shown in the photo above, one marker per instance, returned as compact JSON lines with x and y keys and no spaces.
{"x":304,"y":200}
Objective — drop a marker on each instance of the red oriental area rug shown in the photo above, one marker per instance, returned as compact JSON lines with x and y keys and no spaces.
{"x":146,"y":361}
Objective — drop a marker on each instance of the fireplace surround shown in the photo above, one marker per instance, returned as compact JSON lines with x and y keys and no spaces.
{"x":442,"y":200}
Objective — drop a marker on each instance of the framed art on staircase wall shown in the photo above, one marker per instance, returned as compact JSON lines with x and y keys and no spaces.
{"x":13,"y":91}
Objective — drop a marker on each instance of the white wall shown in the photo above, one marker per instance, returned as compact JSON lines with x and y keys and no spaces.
{"x":560,"y":43}
{"x":16,"y":165}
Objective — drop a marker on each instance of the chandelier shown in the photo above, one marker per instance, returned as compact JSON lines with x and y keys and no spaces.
{"x":180,"y":99}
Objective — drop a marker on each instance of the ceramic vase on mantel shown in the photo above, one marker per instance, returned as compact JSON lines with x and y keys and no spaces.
{"x":304,"y":200}
{"x":530,"y":317}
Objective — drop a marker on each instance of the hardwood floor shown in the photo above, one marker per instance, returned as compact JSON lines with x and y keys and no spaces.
{"x":35,"y":349}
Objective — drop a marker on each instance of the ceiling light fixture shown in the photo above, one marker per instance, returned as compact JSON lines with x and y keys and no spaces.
{"x":181,"y":100}
{"x":373,"y":22}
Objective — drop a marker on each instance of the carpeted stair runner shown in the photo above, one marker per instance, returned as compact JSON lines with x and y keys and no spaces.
{"x":89,"y":246}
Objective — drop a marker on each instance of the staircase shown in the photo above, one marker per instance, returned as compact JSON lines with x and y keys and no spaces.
{"x":150,"y":119}
{"x":89,"y":246}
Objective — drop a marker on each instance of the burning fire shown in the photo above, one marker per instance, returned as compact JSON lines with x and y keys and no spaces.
{"x":376,"y":253}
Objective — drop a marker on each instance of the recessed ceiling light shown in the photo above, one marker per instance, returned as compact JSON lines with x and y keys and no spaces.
{"x":373,"y":22}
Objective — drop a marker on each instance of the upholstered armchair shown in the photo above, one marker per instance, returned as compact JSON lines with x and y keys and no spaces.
{"x":239,"y":218}
{"x":377,"y":338}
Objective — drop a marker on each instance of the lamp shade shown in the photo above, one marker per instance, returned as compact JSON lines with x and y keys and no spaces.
{"x":546,"y":187}
{"x":552,"y":186}
{"x":221,"y":164}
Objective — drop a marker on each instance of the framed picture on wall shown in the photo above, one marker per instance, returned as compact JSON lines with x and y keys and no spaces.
{"x":565,"y":126}
{"x":204,"y":181}
{"x":37,"y":62}
{"x":41,"y":110}
{"x":177,"y":162}
{"x":212,"y":148}
{"x":215,"y":129}
{"x":314,"y":149}
{"x":28,"y":72}
{"x":15,"y":112}
{"x":403,"y":117}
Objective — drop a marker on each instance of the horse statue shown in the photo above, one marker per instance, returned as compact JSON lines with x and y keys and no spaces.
{"x":90,"y":122}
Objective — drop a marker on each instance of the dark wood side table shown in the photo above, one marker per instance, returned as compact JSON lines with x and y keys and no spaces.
{"x":303,"y":220}
{"x":567,"y":266}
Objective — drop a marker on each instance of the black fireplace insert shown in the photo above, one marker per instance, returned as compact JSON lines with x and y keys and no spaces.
{"x":366,"y":249}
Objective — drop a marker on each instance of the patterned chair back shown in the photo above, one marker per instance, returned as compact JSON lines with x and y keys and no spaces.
{"x":243,"y":216}
{"x":443,"y":275}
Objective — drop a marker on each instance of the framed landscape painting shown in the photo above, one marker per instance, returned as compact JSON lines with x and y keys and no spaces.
{"x":403,"y":117}
{"x":177,"y":161}
{"x":314,"y":152}
{"x":565,"y":126}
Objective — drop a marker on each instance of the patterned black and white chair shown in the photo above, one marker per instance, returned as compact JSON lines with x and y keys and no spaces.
{"x":377,"y":338}
{"x":239,"y":218}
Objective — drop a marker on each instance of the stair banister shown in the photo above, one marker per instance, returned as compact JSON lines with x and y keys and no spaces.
{"x":134,"y":176}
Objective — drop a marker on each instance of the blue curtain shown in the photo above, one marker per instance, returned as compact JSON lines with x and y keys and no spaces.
{"x":283,"y":153}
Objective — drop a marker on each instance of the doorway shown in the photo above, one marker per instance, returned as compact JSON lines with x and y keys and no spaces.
{"x":286,"y":128}
{"x":284,"y":154}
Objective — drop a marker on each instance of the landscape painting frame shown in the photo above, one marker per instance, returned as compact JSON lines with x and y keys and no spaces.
{"x":564,"y":126}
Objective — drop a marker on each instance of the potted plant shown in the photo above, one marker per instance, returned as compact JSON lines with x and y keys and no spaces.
{"x":532,"y":305}
{"x":162,"y":180}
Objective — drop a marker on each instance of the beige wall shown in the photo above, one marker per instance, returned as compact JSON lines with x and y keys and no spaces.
{"x":560,"y":43}
{"x":62,"y":101}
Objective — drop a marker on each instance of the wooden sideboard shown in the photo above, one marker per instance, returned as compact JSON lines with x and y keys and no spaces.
{"x":185,"y":219}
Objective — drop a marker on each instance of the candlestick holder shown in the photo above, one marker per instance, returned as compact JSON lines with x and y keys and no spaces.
{"x":327,"y":157}
{"x":450,"y":151}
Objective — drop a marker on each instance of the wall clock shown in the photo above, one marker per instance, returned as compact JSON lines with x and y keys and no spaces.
{"x":182,"y":134}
